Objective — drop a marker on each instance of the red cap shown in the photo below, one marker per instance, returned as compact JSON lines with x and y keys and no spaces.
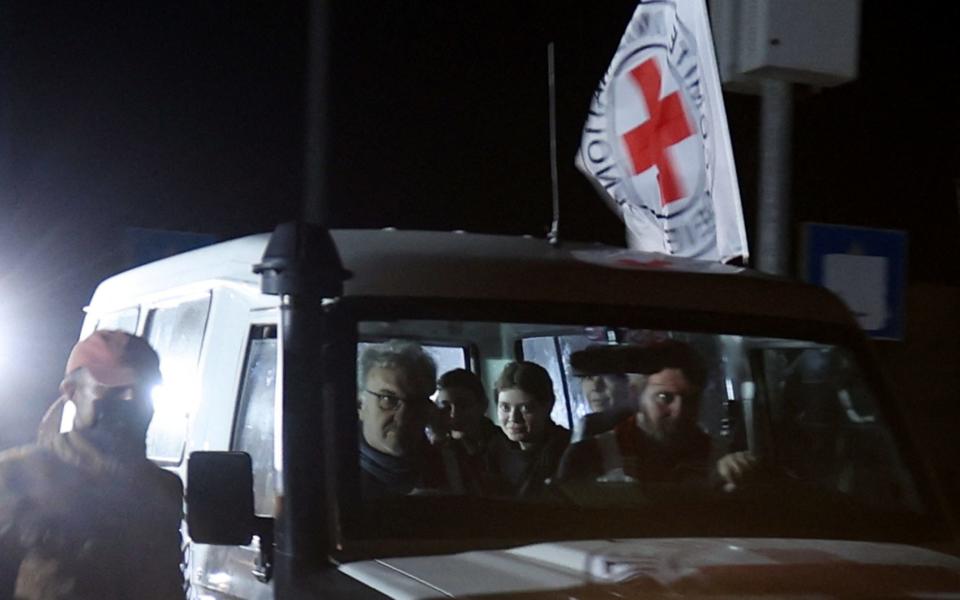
{"x":115,"y":358}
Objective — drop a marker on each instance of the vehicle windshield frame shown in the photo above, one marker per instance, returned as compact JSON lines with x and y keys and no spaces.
{"x":353,"y":539}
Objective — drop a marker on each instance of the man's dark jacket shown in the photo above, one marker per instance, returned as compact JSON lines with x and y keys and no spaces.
{"x":78,"y":523}
{"x":627,"y":452}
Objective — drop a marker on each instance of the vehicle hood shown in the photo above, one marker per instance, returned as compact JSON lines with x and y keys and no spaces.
{"x":654,"y":568}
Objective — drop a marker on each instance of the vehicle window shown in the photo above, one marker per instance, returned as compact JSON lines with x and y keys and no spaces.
{"x":176,"y":333}
{"x":825,"y":426}
{"x":123,"y":320}
{"x":255,"y":414}
{"x":646,"y":421}
{"x":546,"y":351}
{"x":446,"y":357}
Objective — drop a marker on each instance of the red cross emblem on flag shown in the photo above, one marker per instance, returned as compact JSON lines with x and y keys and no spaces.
{"x":667,"y":125}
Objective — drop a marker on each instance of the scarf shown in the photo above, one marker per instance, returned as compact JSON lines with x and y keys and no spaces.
{"x":395,"y":472}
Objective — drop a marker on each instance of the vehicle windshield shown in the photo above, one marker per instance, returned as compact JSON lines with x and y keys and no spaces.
{"x":530,"y":431}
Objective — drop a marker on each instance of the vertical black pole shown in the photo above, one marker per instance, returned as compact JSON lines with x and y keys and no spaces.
{"x":302,"y":266}
{"x":776,"y":134}
{"x":301,"y":529}
{"x":316,"y":119}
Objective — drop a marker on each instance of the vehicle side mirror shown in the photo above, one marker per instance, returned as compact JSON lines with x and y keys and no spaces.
{"x":220,"y":498}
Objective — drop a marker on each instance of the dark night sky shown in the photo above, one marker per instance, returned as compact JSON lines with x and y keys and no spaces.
{"x":188,"y":116}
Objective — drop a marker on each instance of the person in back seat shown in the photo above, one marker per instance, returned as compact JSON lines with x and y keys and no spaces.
{"x":461,"y":397}
{"x":610,"y":395}
{"x":527,"y":453}
{"x":605,"y":391}
{"x":395,"y":381}
{"x":464,"y":430}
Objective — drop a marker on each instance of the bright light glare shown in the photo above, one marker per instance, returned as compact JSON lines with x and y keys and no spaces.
{"x":219,"y":579}
{"x":157,"y":396}
{"x":67,"y":416}
{"x":176,"y":397}
{"x":169,"y":401}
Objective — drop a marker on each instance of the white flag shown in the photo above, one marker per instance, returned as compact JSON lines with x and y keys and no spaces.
{"x":656,"y":141}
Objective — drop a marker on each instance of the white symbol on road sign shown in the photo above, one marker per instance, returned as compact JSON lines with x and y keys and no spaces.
{"x":862,"y":283}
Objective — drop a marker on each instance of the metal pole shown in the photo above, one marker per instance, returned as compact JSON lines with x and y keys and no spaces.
{"x":773,"y":208}
{"x":315,"y":201}
{"x":554,"y":235}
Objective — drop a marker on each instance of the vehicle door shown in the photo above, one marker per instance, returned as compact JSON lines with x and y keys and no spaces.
{"x":227,"y":571}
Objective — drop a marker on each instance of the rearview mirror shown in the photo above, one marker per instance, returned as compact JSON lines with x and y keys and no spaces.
{"x":220,"y":498}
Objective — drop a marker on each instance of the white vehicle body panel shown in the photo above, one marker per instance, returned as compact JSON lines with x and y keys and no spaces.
{"x":669,"y":567}
{"x":420,"y":264}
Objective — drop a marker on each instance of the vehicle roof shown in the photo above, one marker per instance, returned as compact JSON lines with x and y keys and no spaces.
{"x":456,"y":265}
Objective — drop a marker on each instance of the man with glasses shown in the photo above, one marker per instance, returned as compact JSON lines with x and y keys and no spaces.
{"x":395,"y":381}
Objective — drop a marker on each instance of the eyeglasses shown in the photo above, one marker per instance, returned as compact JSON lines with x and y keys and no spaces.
{"x":393,"y":402}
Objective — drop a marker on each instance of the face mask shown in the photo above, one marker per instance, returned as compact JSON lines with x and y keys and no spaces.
{"x":123,"y":417}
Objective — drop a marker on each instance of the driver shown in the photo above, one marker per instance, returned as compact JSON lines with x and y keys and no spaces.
{"x":661,"y":439}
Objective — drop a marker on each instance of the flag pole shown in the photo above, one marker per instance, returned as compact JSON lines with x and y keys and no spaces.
{"x":554,"y":234}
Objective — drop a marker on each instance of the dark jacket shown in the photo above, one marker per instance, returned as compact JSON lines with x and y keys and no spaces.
{"x":80,"y":524}
{"x":627,"y":453}
{"x":383,"y":475}
{"x":465,"y":459}
{"x":477,"y":447}
{"x":513,"y":472}
{"x":592,"y":424}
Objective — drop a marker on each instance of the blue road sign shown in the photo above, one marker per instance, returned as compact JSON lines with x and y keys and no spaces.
{"x":866,"y":267}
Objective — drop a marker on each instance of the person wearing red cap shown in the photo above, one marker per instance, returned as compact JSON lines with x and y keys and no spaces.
{"x":84,"y":514}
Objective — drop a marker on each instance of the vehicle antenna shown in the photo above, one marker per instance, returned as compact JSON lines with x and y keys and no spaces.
{"x":554,"y":235}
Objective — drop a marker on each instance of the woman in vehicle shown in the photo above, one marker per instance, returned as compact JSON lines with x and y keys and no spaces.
{"x":527,"y":453}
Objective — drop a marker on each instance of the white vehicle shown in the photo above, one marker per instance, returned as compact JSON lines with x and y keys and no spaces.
{"x":265,"y":364}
